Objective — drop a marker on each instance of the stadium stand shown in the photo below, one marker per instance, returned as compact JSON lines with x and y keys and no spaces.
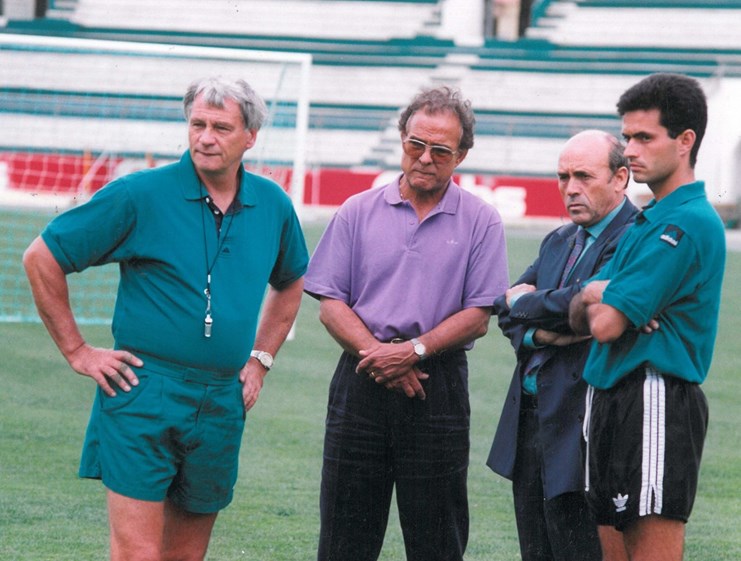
{"x":530,"y":95}
{"x":99,"y":102}
{"x":62,"y":9}
{"x":682,"y":24}
{"x":296,"y":18}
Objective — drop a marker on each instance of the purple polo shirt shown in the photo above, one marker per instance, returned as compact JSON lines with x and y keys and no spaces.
{"x":403,"y":277}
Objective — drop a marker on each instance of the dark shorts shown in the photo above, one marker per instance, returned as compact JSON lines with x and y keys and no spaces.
{"x":172,"y":436}
{"x":646,"y":436}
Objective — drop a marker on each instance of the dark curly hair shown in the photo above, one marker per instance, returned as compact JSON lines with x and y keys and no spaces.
{"x":680,"y":100}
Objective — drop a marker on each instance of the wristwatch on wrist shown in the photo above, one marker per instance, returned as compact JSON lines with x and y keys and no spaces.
{"x":264,"y":358}
{"x":419,"y":348}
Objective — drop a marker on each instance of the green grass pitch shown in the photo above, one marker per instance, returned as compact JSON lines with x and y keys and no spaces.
{"x":47,"y":513}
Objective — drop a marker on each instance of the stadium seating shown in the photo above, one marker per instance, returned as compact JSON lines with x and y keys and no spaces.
{"x":686,"y":25}
{"x":294,"y":18}
{"x":529,"y":95}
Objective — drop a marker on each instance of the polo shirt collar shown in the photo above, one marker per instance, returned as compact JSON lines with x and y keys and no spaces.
{"x":191,"y":184}
{"x":448,"y":204}
{"x":654,"y":211}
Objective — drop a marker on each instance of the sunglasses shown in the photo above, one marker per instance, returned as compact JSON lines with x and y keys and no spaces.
{"x":416,"y":148}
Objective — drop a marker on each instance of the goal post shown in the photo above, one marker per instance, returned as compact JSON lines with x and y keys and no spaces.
{"x":84,"y":95}
{"x":77,"y":113}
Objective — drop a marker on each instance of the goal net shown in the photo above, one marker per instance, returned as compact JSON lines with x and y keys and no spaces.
{"x":78,"y":113}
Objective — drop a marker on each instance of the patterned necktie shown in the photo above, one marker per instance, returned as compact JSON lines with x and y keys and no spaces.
{"x":537,"y":359}
{"x":579,"y":240}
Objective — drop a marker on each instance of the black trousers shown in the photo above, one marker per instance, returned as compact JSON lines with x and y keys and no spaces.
{"x":559,"y":529}
{"x":378,"y":440}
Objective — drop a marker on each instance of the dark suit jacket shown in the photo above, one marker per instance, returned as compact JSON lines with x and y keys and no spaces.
{"x":561,"y":390}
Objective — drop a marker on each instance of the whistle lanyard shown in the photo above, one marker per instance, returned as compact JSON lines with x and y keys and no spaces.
{"x":208,"y":320}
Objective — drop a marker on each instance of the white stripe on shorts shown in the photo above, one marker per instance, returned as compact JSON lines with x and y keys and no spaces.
{"x":585,"y":433}
{"x":654,"y":438}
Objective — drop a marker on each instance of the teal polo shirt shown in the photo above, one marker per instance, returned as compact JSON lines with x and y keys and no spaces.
{"x":157,"y":226}
{"x":669,"y":266}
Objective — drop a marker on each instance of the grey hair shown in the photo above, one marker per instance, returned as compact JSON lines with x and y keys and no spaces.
{"x":439,"y":100}
{"x":616,"y":157}
{"x":218,"y":89}
{"x":615,"y":149}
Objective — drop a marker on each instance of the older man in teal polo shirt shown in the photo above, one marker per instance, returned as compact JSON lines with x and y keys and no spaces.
{"x":197,"y":243}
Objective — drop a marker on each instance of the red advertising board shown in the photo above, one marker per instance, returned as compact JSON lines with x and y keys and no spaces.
{"x":514,"y":197}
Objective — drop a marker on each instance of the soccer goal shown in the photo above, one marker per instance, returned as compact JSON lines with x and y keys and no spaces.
{"x":77,"y":113}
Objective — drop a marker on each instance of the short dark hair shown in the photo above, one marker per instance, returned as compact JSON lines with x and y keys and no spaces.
{"x":680,"y":100}
{"x":216,"y":89}
{"x":439,"y":100}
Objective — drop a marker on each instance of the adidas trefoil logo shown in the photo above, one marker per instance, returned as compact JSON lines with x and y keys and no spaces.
{"x":620,"y":502}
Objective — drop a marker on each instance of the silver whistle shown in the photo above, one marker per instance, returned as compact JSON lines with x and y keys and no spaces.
{"x":207,"y":323}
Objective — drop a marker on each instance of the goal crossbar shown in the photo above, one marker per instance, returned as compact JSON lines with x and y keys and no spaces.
{"x":43,"y":66}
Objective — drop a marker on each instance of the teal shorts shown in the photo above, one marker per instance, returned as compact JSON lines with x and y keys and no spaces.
{"x":176,"y":435}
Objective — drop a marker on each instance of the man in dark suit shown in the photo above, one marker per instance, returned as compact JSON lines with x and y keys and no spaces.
{"x":538,"y":441}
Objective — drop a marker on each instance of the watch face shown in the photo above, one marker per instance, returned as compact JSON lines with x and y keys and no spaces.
{"x":264,"y":357}
{"x":266,"y":360}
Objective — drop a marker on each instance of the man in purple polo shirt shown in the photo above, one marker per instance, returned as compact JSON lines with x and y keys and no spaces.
{"x":406,"y":275}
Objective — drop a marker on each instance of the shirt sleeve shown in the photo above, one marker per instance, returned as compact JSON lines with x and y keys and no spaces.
{"x":528,"y":340}
{"x":293,"y":258}
{"x":329,"y":272}
{"x":650,"y":276}
{"x":488,"y":274}
{"x":93,"y":233}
